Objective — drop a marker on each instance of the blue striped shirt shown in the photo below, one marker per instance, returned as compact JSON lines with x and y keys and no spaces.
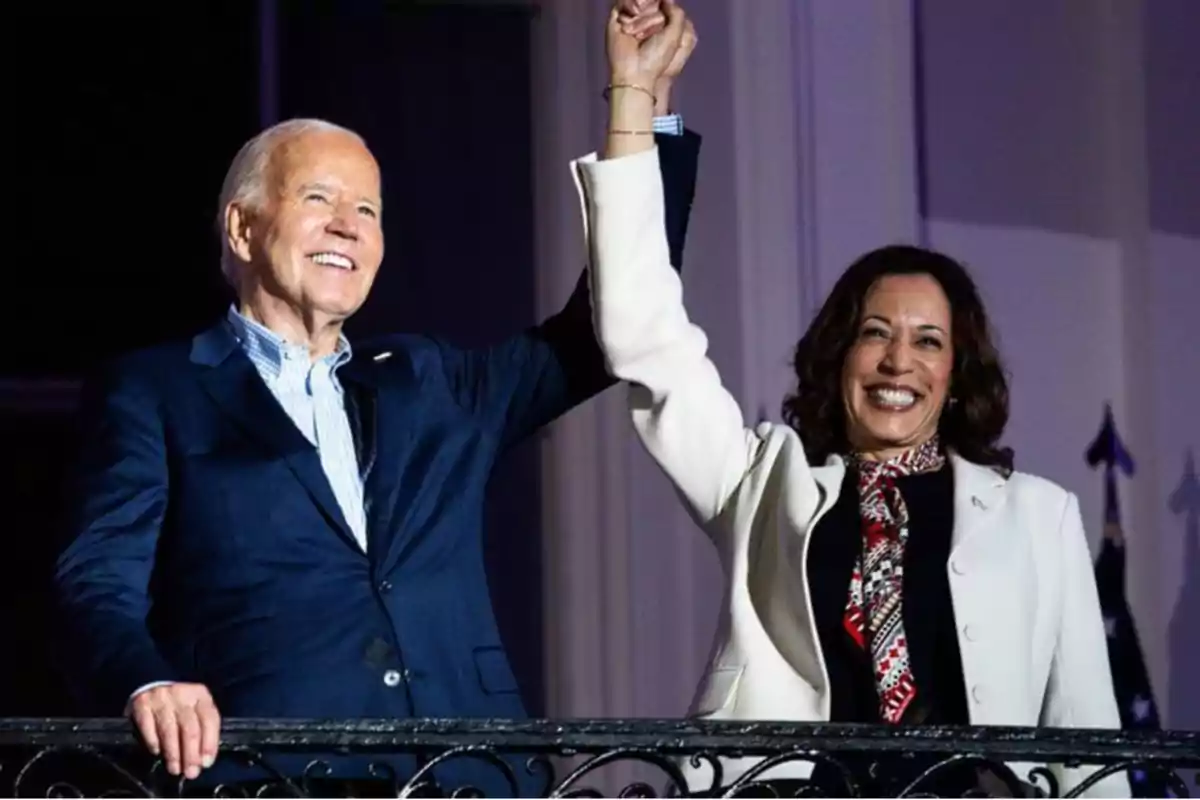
{"x":312,"y":396}
{"x":671,"y":124}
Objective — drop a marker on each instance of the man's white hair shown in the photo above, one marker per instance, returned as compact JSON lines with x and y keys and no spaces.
{"x":246,"y":181}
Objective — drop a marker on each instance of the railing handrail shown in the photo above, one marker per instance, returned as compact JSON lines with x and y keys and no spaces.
{"x":668,"y":736}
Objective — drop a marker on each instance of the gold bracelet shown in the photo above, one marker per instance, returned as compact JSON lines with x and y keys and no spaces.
{"x":608,"y":90}
{"x":613,"y":132}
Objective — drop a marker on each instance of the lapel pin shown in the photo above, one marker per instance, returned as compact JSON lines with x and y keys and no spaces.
{"x":382,"y":357}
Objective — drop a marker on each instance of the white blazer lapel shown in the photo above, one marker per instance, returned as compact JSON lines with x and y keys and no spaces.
{"x":979,"y":492}
{"x":829,"y":478}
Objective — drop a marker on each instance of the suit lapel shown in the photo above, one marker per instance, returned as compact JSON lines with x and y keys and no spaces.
{"x":979,"y":492}
{"x":376,"y":384}
{"x":829,"y":478}
{"x":362,"y":409}
{"x":238,"y":390}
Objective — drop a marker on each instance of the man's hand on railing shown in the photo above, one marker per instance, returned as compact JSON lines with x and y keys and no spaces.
{"x":180,"y":723}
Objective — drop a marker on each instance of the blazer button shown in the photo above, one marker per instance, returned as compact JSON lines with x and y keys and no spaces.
{"x":385,"y":587}
{"x":391,"y":678}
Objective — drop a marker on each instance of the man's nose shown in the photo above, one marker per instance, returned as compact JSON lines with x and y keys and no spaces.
{"x":344,"y":223}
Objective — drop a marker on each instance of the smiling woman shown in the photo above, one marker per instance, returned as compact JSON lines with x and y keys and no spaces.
{"x":901,"y":350}
{"x":885,"y":562}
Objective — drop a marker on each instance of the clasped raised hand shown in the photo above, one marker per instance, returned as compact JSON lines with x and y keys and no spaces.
{"x":642,"y":48}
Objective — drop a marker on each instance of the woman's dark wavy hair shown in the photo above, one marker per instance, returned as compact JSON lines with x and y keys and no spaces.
{"x":971,"y":423}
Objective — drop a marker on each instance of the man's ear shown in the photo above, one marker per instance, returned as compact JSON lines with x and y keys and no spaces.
{"x":238,"y":230}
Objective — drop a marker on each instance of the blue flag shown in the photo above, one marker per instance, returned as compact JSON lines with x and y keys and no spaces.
{"x":1131,"y":680}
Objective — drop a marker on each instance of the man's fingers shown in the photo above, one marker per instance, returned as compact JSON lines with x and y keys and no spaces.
{"x":147,"y":728}
{"x":210,"y":732}
{"x":644,"y":25}
{"x":168,"y":738}
{"x":665,"y":43}
{"x":676,"y":19}
{"x":689,"y":41}
{"x":189,"y":741}
{"x":179,"y":723}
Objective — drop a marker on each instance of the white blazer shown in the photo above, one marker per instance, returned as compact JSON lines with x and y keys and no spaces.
{"x":1025,"y":602}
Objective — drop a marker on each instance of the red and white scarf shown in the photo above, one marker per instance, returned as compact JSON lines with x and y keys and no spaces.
{"x":875,"y":612}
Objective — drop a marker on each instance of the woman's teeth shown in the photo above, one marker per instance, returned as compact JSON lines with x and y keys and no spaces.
{"x":892,"y":398}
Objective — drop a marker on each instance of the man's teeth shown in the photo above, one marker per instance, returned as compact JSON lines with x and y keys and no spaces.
{"x":893,"y":397}
{"x":333,"y":260}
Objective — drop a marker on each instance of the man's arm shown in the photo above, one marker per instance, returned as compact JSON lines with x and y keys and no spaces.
{"x":528,"y":380}
{"x":102,"y":577}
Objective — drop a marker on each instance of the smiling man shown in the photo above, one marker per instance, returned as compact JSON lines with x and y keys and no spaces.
{"x":269,"y":523}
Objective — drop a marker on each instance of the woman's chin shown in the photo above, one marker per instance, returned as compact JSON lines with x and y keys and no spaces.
{"x":893,"y":437}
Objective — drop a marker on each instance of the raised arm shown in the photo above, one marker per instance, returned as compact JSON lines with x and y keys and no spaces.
{"x":528,"y":380}
{"x":687,"y":420}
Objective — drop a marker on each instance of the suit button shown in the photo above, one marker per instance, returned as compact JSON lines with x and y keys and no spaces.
{"x":391,"y":678}
{"x":977,"y":693}
{"x":956,"y":569}
{"x":385,"y":586}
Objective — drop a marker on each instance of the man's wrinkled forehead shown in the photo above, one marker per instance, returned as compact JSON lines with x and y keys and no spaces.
{"x":321,"y":158}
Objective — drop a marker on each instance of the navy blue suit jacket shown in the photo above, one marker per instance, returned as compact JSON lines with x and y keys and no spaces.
{"x":208,"y":546}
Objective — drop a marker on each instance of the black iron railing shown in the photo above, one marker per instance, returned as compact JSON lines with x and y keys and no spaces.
{"x":636,"y":758}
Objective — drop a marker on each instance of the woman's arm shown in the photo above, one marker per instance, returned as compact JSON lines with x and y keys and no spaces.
{"x":685,"y":417}
{"x":1080,"y":692}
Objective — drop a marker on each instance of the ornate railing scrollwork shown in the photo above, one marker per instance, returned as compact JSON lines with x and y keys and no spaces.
{"x":587,"y":758}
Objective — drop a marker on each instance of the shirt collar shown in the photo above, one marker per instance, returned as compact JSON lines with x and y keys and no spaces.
{"x":269,"y":350}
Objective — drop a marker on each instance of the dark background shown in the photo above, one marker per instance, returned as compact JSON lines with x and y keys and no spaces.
{"x":126,"y":124}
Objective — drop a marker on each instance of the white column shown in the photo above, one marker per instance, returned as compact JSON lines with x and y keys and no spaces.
{"x":855,"y":63}
{"x":1120,"y":96}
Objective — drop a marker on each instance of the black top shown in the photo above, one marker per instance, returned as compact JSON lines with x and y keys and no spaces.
{"x":928,"y":610}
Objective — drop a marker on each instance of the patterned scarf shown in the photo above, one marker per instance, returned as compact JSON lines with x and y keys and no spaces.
{"x":874,"y":614}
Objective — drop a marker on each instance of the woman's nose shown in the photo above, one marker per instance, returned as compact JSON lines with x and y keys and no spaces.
{"x":897,"y":360}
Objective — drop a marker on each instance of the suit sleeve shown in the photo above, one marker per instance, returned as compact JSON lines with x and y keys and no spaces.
{"x":687,"y":420}
{"x":102,"y":576}
{"x":1080,"y":691}
{"x":530,"y":379}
